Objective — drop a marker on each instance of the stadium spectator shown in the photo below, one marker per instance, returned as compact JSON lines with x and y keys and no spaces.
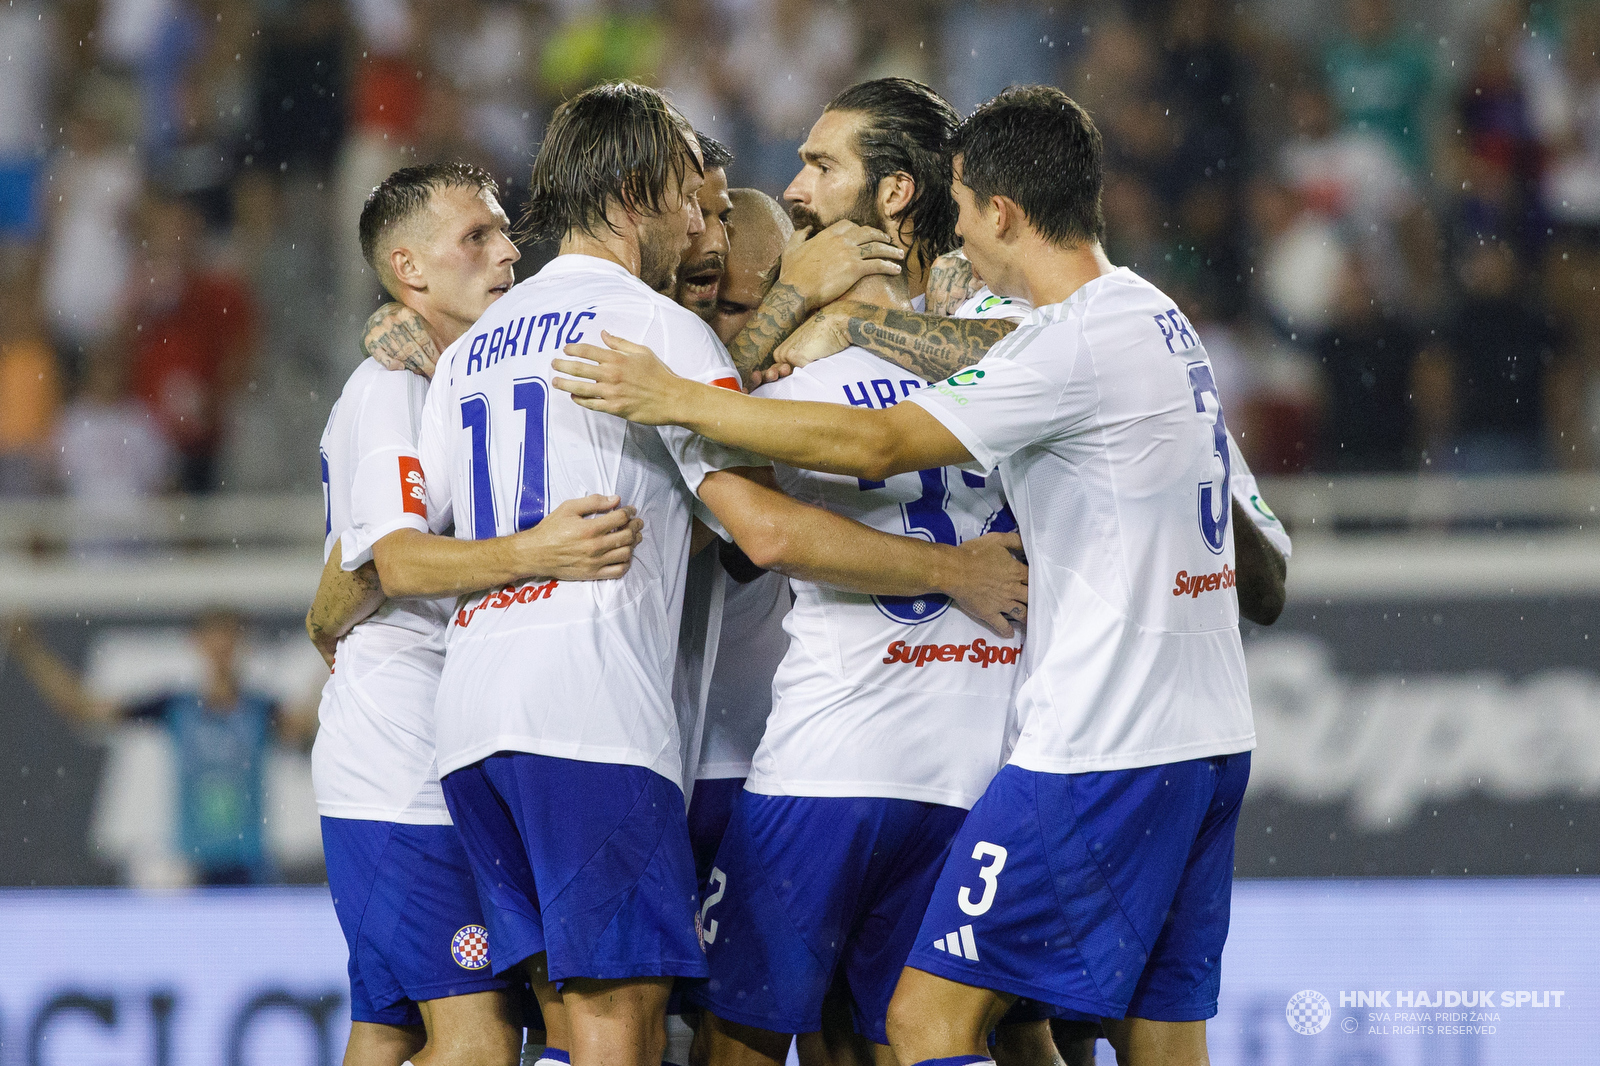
{"x":1380,"y":78}
{"x":27,"y":32}
{"x":1367,"y":354}
{"x":1503,"y":352}
{"x":196,"y":330}
{"x":221,"y":732}
{"x":30,"y":381}
{"x":109,"y":451}
{"x":89,"y":229}
{"x":786,"y":60}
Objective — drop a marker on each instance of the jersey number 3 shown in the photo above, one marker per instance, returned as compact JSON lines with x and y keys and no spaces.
{"x":1215,"y":506}
{"x":529,"y":396}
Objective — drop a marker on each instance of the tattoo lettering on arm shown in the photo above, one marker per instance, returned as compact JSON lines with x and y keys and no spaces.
{"x":781,"y":312}
{"x":930,"y":346}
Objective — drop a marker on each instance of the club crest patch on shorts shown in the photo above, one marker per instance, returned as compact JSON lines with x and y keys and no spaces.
{"x":470,"y":947}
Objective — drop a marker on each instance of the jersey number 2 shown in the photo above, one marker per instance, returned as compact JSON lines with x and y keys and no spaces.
{"x":530,"y":396}
{"x":1213,"y":513}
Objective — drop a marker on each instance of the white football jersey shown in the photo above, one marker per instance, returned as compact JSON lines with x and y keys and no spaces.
{"x":900,"y":697}
{"x":1101,"y":414}
{"x":986,"y":304}
{"x":751,"y":644}
{"x":578,"y":670}
{"x":374,"y":756}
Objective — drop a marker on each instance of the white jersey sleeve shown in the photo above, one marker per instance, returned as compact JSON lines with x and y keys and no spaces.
{"x":386,"y":490}
{"x":374,"y":755}
{"x":1102,"y":415}
{"x":1248,"y":493}
{"x":985,"y":304}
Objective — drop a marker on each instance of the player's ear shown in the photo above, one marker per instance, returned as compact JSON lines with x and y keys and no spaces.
{"x":1007,"y":217}
{"x":895,"y":193}
{"x":406,"y":270}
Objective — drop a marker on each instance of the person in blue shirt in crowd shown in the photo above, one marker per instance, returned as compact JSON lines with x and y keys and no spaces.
{"x":221,"y":733}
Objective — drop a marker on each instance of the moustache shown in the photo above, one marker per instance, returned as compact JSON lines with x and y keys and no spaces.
{"x":802,"y":216}
{"x":712,"y":263}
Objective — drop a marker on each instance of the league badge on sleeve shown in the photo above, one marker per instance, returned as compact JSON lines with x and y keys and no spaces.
{"x":470,"y":947}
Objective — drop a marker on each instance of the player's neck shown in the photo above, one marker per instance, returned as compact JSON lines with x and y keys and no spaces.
{"x":443,"y":329}
{"x":882,"y":290}
{"x":1051,"y":273}
{"x":621,"y":250}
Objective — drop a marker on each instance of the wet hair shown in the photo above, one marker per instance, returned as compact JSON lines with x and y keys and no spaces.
{"x":907,"y":128}
{"x":713,"y":153}
{"x":1034,"y":145}
{"x":614,"y":143}
{"x":407,"y":191}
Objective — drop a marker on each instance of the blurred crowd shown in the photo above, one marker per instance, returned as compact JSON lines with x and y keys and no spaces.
{"x":1385,"y":224}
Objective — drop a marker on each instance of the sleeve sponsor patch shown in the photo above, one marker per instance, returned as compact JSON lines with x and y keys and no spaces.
{"x":413,"y":490}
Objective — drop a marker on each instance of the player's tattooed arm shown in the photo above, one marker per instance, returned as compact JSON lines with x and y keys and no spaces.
{"x":813,"y":272}
{"x":1262,"y":571}
{"x":951,"y":283}
{"x":398,"y":339}
{"x":344,"y":598}
{"x":781,"y":310}
{"x":930,"y":346}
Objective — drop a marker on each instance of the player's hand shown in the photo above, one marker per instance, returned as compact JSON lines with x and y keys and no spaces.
{"x":587,"y":539}
{"x":991,"y":585}
{"x":775,"y":372}
{"x":624,"y":379}
{"x":398,"y":339}
{"x":823,"y":268}
{"x":823,"y":334}
{"x":951,"y":283}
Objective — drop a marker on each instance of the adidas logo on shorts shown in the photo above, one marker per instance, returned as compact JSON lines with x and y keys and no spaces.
{"x":960,"y":943}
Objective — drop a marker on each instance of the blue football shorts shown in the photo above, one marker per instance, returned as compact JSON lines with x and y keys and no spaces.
{"x":807,"y":886}
{"x":1102,"y":893}
{"x":588,"y":862}
{"x":409,"y":909}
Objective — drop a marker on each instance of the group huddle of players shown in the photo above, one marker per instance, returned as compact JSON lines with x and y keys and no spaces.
{"x":707,"y":718}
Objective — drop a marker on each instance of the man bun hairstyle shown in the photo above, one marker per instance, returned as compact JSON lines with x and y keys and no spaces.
{"x":405,"y":192}
{"x":1034,"y":145}
{"x":907,"y":129}
{"x":614,"y":143}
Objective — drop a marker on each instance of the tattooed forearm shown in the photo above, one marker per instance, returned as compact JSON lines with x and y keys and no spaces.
{"x":929,"y":346}
{"x":781,"y":312}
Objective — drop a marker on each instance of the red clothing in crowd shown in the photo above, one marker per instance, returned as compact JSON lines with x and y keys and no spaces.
{"x":187,"y":358}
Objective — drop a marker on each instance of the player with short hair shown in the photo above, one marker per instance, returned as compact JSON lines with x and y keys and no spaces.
{"x":704,"y":261}
{"x":555,"y":690}
{"x":402,"y":888}
{"x":1095,"y":872}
